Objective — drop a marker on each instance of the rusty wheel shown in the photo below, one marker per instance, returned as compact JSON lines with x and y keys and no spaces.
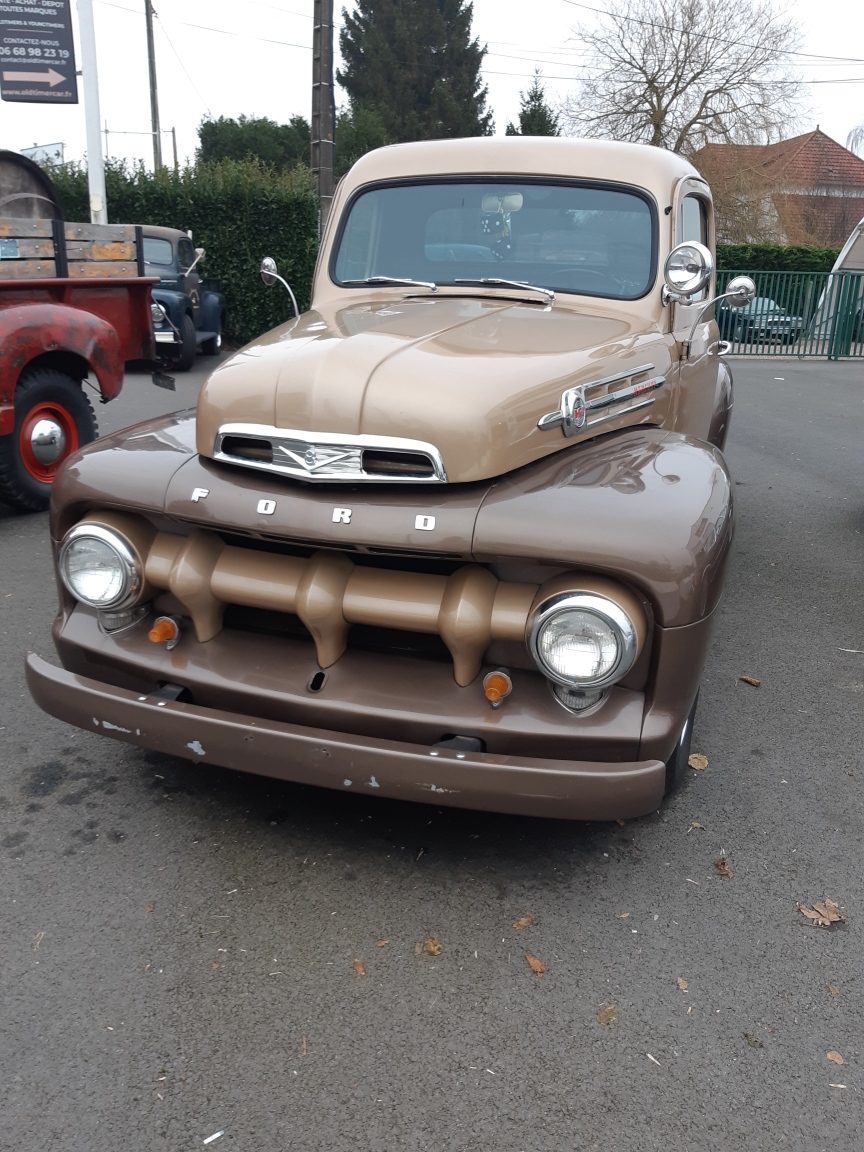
{"x":53,"y":418}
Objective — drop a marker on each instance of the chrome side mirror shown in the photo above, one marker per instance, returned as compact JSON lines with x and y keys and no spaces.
{"x":270,"y":276}
{"x":199,"y":259}
{"x":688,"y":269}
{"x":740,"y":291}
{"x":268,"y":271}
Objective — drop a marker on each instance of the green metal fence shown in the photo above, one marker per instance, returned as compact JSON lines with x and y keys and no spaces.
{"x":819,"y":314}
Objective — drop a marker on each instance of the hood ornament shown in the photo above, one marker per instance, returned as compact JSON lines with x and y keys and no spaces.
{"x":573,"y":415}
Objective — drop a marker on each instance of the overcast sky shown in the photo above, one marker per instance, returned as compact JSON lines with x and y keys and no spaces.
{"x":224,"y":58}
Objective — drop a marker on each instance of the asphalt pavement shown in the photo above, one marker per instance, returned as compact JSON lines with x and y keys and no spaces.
{"x":189,"y":951}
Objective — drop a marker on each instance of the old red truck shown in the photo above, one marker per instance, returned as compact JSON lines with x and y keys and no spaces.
{"x":75,"y":309}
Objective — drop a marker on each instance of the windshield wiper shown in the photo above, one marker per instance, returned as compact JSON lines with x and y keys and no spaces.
{"x":496,"y":282}
{"x":395,"y":280}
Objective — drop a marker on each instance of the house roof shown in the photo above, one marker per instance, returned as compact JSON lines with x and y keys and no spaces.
{"x":812,"y":160}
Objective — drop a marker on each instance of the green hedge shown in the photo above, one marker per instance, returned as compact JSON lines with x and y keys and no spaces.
{"x":776,"y":257}
{"x":239,"y":210}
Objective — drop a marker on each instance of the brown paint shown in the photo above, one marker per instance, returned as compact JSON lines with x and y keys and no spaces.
{"x":640,"y":510}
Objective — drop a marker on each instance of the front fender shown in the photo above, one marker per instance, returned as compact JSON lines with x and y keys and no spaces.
{"x":31,"y":330}
{"x":723,"y":398}
{"x":646,"y":506}
{"x":176,"y":304}
{"x":212,"y":308}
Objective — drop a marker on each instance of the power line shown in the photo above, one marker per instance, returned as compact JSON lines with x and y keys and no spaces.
{"x":183,"y":66}
{"x":741,"y":43}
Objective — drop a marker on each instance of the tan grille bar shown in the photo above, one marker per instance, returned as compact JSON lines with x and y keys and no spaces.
{"x":468,"y":609}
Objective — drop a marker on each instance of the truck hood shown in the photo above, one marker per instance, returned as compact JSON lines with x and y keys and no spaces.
{"x":470,"y":377}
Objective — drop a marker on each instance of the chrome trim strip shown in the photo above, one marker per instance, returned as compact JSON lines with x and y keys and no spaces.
{"x":342,"y":454}
{"x":573,"y":414}
{"x":626,"y":412}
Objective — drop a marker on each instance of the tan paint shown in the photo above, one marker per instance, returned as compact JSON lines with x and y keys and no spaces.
{"x":470,"y":371}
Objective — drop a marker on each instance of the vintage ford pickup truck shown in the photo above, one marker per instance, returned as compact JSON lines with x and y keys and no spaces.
{"x":458,"y":533}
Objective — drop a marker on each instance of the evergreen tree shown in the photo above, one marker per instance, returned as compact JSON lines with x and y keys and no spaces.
{"x":358,"y":130}
{"x":413,"y":63}
{"x":282,"y":145}
{"x":536,"y":118}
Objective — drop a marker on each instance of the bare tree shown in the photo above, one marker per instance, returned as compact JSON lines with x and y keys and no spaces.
{"x":855,"y":140}
{"x":682,"y":73}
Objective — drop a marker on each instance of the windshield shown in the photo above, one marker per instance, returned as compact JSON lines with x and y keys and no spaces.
{"x":158,"y":251}
{"x":594,"y":241}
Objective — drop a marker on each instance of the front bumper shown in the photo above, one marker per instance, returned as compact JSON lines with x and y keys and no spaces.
{"x":581,"y":790}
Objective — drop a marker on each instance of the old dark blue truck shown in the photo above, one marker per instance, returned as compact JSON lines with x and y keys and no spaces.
{"x":192,"y":313}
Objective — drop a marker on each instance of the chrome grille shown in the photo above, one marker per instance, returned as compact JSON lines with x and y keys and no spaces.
{"x":330,"y":456}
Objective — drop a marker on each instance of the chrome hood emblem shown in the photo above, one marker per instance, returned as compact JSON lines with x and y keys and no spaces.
{"x":330,"y":456}
{"x":575,"y":411}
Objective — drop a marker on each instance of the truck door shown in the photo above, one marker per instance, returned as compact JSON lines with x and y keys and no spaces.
{"x":190,"y":282}
{"x":697,"y":396}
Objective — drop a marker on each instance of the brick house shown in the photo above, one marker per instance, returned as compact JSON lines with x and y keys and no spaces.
{"x":807,"y":190}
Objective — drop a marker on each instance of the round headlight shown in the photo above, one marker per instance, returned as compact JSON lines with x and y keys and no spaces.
{"x":581,"y":640}
{"x":98,"y":567}
{"x":158,"y":313}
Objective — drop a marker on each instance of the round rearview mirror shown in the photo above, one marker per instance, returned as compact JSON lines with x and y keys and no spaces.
{"x":268,"y":271}
{"x":740,"y":291}
{"x":688,"y":268}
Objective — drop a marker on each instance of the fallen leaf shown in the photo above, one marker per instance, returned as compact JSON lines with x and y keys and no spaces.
{"x":303,"y":1048}
{"x":833,"y":989}
{"x":721,"y":867}
{"x":383,"y":943}
{"x":751,"y":680}
{"x":698,"y":762}
{"x":682,"y":983}
{"x":524,"y":922}
{"x":824,"y":913}
{"x":213,"y":966}
{"x":607,"y":1015}
{"x":418,"y":948}
{"x":359,"y":969}
{"x":696,"y":824}
{"x":151,"y":906}
{"x":622,"y":916}
{"x":620,"y":822}
{"x":834,"y":1057}
{"x":753,"y":1041}
{"x":432,"y":946}
{"x":536,"y":966}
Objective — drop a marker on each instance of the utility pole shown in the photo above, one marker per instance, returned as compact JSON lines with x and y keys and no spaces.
{"x":154,"y":96}
{"x":174,"y":142}
{"x":92,"y":118}
{"x":323,"y":105}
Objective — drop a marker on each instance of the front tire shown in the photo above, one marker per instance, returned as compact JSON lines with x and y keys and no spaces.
{"x":53,"y":418}
{"x":676,"y":765}
{"x":188,"y":344}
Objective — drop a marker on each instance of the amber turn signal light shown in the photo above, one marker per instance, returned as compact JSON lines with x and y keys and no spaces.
{"x":165,"y":631}
{"x":497,"y":685}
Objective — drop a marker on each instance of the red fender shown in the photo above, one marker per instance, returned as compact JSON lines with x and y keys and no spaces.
{"x":31,"y":330}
